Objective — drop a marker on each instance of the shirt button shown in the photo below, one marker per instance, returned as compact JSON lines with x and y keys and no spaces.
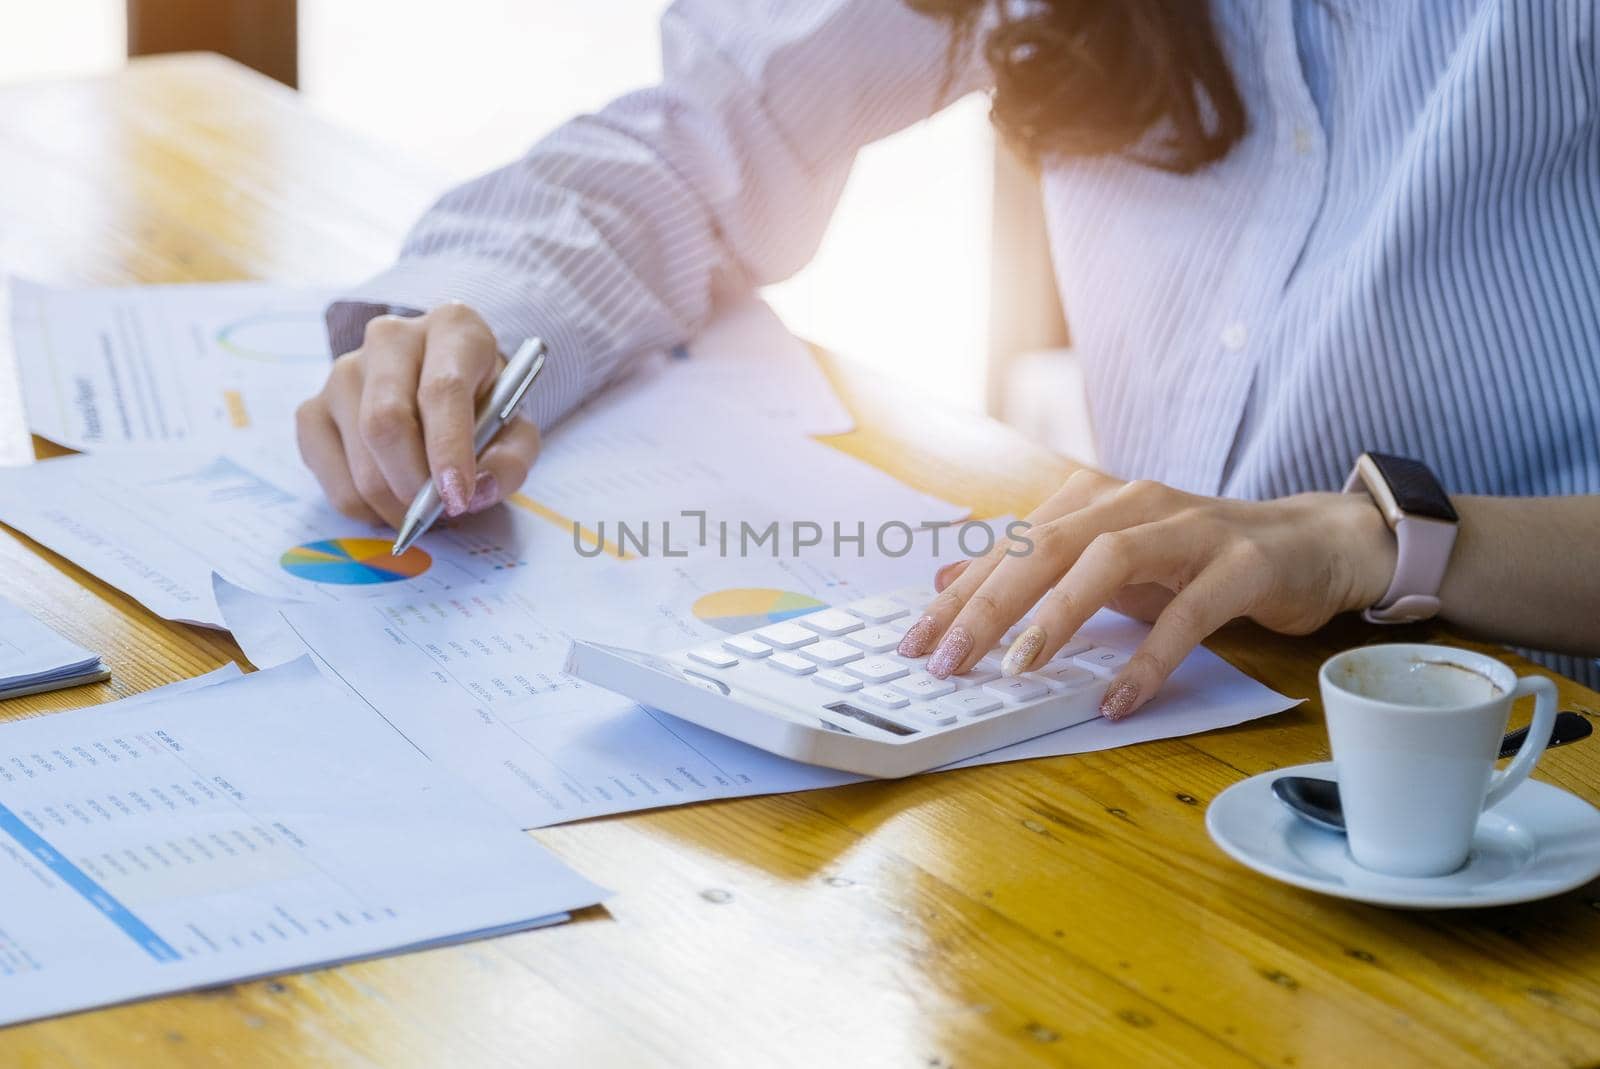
{"x":1234,"y":335}
{"x":1302,"y":140}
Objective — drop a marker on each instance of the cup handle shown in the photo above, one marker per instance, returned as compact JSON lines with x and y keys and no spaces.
{"x":1538,"y":737}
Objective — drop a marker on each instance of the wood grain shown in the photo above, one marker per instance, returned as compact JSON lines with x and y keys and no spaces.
{"x":1059,"y":912}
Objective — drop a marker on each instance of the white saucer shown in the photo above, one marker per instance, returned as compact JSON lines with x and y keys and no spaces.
{"x":1539,"y":842}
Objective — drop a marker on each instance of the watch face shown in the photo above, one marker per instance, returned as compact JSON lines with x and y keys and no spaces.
{"x":1416,"y":491}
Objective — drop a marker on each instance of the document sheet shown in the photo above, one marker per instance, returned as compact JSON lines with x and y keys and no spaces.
{"x":113,"y":367}
{"x":748,"y":358}
{"x":156,"y":524}
{"x":475,"y":682}
{"x":268,"y":823}
{"x":105,"y":368}
{"x":183,"y":686}
{"x":16,"y":446}
{"x":34,"y":658}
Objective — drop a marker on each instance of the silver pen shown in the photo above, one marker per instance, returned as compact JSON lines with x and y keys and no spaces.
{"x":495,"y":412}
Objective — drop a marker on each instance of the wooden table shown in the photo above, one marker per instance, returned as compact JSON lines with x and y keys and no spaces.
{"x":1060,"y":912}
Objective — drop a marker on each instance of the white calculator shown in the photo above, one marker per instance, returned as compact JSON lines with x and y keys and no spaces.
{"x":828,"y":688}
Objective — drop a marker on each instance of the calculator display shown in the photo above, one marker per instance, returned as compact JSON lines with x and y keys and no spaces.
{"x":846,"y":709}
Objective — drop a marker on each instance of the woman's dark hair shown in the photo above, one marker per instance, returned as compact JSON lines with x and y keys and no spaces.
{"x":1144,"y":78}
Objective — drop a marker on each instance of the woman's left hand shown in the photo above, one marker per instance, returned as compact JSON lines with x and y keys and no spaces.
{"x":1189,"y":564}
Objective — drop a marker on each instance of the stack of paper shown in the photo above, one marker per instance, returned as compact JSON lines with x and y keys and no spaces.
{"x":34,"y":658}
{"x":212,"y":834}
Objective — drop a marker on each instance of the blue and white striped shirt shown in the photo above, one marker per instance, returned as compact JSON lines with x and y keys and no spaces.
{"x":1403,"y":254}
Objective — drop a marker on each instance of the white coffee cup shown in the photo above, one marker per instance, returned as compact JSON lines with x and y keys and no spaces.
{"x":1415,"y":731}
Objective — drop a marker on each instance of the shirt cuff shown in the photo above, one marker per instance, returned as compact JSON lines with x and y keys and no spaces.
{"x":514,"y":314}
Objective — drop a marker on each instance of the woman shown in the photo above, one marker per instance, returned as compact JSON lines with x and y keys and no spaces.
{"x":1286,"y":233}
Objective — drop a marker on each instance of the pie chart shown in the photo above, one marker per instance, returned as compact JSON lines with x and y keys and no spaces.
{"x":353,"y":562}
{"x":742,"y":608}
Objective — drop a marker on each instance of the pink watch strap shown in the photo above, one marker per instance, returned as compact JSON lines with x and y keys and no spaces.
{"x":1424,"y":547}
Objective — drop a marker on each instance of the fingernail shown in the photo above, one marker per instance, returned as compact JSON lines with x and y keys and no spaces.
{"x":947,"y":575}
{"x":485,"y":492}
{"x":453,"y":492}
{"x":951,"y":652}
{"x":1119,"y":700}
{"x":916,"y":640}
{"x":1020,"y":655}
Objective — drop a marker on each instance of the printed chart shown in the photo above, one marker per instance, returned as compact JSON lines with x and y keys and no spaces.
{"x":126,"y":367}
{"x":743,"y":608}
{"x":353,"y":562}
{"x":276,"y":337}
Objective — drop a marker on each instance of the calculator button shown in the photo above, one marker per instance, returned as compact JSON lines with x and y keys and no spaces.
{"x":978,"y":674}
{"x":1073,"y":647}
{"x":745,"y":646}
{"x":922,"y":685}
{"x":714,"y":657}
{"x":967,"y":703}
{"x":834,"y":679}
{"x":933,"y":716}
{"x":876,"y":610}
{"x":883,"y":696}
{"x":1102,"y":661}
{"x":786,"y":636}
{"x":1017,"y":690}
{"x":1061,"y":678}
{"x":830,"y":652}
{"x":791,"y":663}
{"x":876,"y":669}
{"x":874,"y":639}
{"x":830,"y":622}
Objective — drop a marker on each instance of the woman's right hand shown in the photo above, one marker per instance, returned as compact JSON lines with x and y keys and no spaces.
{"x":401,"y":409}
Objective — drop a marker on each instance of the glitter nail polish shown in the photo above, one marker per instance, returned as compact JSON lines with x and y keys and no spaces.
{"x":1019,"y":658}
{"x":951,"y":652}
{"x":1119,"y":700}
{"x":453,"y":492}
{"x":917,"y":639}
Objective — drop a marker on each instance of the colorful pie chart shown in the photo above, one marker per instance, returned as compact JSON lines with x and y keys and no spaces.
{"x":742,"y":608}
{"x":353,"y":562}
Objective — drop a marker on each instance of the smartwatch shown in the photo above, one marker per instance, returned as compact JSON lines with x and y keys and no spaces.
{"x":1419,"y":513}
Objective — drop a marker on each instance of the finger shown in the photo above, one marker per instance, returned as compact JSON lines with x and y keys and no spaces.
{"x":1142,"y":601}
{"x":370,"y":483}
{"x":344,"y":406}
{"x":504,"y":466}
{"x":323,"y":453}
{"x":1083,"y":486}
{"x":387,"y":418}
{"x":1169,"y":552}
{"x":1081,"y":489}
{"x":1218,"y":594}
{"x":459,"y":363}
{"x":948,"y":574}
{"x":1018,"y":582}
